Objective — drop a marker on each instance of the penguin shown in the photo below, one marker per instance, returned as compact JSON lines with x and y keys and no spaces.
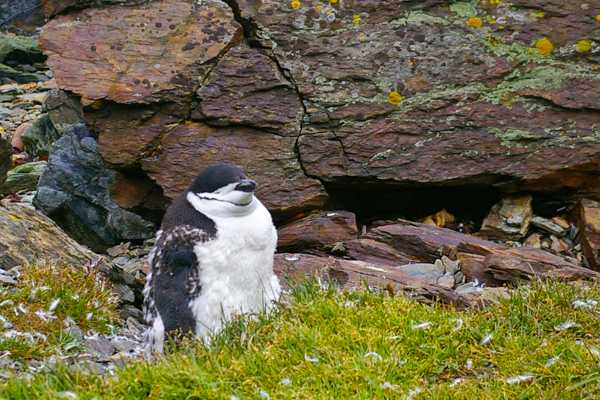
{"x":212,"y":259}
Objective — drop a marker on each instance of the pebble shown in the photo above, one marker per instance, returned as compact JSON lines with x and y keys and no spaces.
{"x":549,"y":226}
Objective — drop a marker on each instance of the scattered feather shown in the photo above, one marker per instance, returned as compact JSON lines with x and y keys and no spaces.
{"x":68,"y":395}
{"x":486,"y":339}
{"x":374,"y":355}
{"x":581,"y":304}
{"x":469,"y":364}
{"x":456,"y":381}
{"x":564,"y":326}
{"x":264,"y":395}
{"x":518,"y":379}
{"x":54,"y":304}
{"x":285,"y":381}
{"x":311,"y":359}
{"x":293,"y":257}
{"x":386,"y":385}
{"x":422,"y":325}
{"x":413,"y":392}
{"x":459,"y":324}
{"x":552,"y":361}
{"x":7,"y":303}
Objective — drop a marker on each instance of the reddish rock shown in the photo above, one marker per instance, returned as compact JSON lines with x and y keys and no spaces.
{"x":587,"y":220}
{"x":375,"y":252}
{"x":247,"y":88}
{"x":143,"y":54}
{"x":267,"y":158}
{"x":424,"y":242}
{"x":318,"y":229}
{"x":16,"y":140}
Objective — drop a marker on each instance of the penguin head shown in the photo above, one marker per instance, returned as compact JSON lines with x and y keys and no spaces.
{"x":224,"y":183}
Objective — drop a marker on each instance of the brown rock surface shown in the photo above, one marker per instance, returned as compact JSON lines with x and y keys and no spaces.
{"x":587,"y":220}
{"x":267,"y":158}
{"x":508,"y":220}
{"x":481,"y":107}
{"x":155,"y":52}
{"x":28,"y":236}
{"x":317,"y":229}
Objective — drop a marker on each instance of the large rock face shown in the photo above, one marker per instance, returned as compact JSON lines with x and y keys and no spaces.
{"x":338,"y":97}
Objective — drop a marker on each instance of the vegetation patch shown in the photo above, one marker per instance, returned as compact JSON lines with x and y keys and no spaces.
{"x":39,"y":316}
{"x":540,"y":343}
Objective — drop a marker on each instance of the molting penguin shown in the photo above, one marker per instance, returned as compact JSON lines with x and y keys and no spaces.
{"x":213,"y":258}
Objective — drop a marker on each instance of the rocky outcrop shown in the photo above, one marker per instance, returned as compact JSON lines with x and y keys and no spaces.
{"x":74,"y":191}
{"x":345,"y":99}
{"x":5,"y":161}
{"x":28,"y":236}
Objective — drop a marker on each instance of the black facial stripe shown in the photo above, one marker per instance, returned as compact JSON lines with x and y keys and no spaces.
{"x":223,"y":201}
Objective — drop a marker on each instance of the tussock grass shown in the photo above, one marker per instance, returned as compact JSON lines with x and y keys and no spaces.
{"x":36,"y":315}
{"x":328,"y":345}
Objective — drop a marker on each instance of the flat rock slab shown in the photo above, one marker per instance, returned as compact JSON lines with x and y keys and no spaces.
{"x":586,"y":217}
{"x":141,"y":54}
{"x":317,"y":230}
{"x":28,"y":236}
{"x":351,"y":275}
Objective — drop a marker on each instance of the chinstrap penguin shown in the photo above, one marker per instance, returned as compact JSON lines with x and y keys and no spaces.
{"x":213,"y":258}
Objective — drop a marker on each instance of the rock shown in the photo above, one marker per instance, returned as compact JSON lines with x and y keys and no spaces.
{"x":247,"y":88}
{"x":524,"y":263}
{"x":348,"y":275}
{"x":428,"y":272}
{"x":508,"y":219}
{"x":9,"y":74}
{"x":549,"y":226}
{"x":38,"y":138}
{"x":317,"y":229}
{"x":267,"y":158}
{"x":19,"y":50}
{"x":156,"y":52}
{"x":375,"y":252}
{"x":586,"y":217}
{"x":74,"y":192}
{"x":23,"y":177}
{"x":13,"y":9}
{"x":100,"y":345}
{"x":28,"y":236}
{"x":447,"y":281}
{"x":534,"y":240}
{"x":64,"y":110}
{"x":16,"y":140}
{"x":425,"y":242}
{"x":5,"y":160}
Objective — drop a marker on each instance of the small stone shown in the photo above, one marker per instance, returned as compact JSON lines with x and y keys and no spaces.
{"x":118,"y":250}
{"x":100,"y":345}
{"x":534,"y":240}
{"x":446,"y":281}
{"x":430,"y":272}
{"x":469,"y":287}
{"x":7,"y":280}
{"x":450,"y":267}
{"x":561,"y":222}
{"x":508,"y":219}
{"x":549,"y":226}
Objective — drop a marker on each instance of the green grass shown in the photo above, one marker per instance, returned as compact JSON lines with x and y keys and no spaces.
{"x":328,"y":345}
{"x":49,"y":299}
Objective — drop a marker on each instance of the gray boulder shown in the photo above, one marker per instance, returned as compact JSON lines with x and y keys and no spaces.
{"x":74,"y":192}
{"x":38,"y":138}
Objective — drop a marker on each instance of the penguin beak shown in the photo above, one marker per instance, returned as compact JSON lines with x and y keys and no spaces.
{"x":247,"y":185}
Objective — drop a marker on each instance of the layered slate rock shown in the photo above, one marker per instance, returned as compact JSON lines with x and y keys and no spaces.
{"x":154,"y":52}
{"x":74,"y":192}
{"x":481,"y":104}
{"x":269,"y":159}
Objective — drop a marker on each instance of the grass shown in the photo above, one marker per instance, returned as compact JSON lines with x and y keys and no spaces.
{"x":323,"y":344}
{"x":36,"y":315}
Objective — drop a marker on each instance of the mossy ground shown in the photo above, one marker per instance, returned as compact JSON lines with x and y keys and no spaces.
{"x":328,"y":345}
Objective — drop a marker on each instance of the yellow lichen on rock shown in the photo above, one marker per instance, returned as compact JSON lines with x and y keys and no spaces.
{"x":295,"y":4}
{"x":584,"y":45}
{"x":395,"y":98}
{"x":475,"y":22}
{"x":544,"y":47}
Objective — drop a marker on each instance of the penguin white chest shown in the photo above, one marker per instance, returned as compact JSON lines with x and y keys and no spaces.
{"x":236,"y":269}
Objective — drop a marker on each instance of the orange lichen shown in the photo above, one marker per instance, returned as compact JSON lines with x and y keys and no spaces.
{"x":475,"y":22}
{"x":584,"y":45}
{"x":295,"y":4}
{"x":319,"y":7}
{"x":394,"y":98}
{"x":544,"y":46}
{"x":333,"y":1}
{"x":356,"y":19}
{"x":491,"y":21}
{"x":598,"y":17}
